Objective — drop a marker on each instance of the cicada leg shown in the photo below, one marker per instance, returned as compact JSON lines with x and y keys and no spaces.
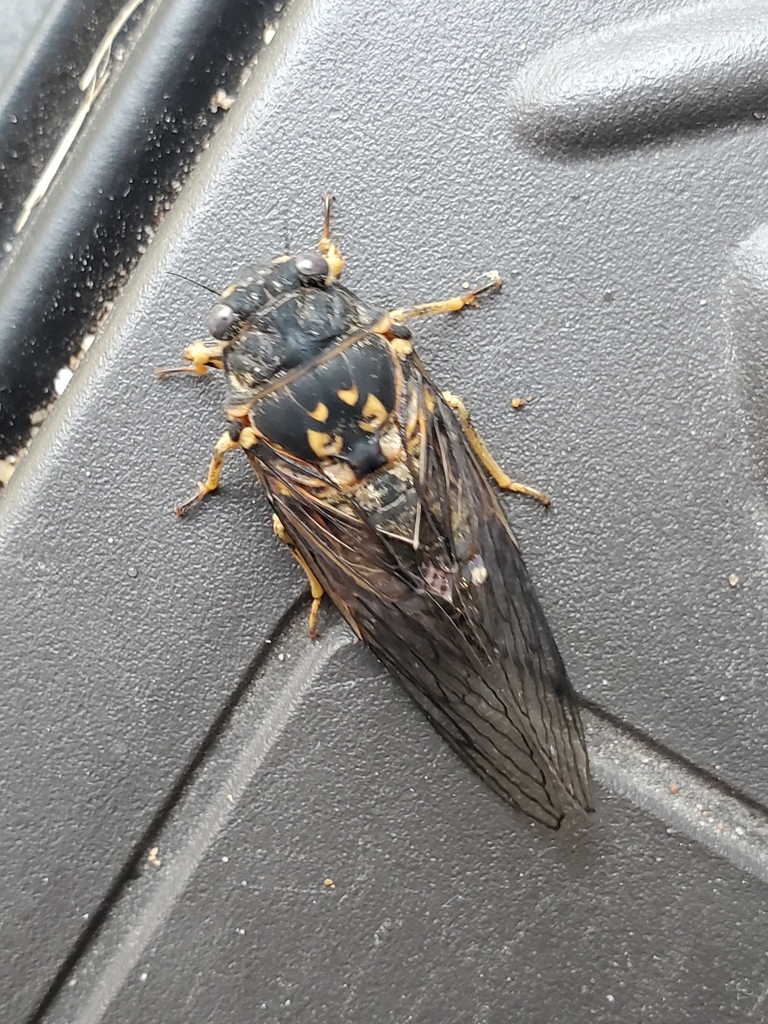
{"x":327,"y":247}
{"x":479,"y":447}
{"x":315,"y":586}
{"x":228,"y":441}
{"x":458,"y":302}
{"x":201,"y":357}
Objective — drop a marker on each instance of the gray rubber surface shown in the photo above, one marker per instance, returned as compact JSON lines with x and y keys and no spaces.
{"x":609,"y":161}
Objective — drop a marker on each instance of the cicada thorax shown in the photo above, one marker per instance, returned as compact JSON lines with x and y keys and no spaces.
{"x":360,"y":421}
{"x":339,"y":412}
{"x":338,"y":417}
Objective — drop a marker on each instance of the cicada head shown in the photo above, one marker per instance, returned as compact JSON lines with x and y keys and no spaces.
{"x":254,"y":288}
{"x":279,"y":316}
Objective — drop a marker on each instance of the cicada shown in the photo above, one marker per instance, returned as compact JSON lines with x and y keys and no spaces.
{"x":385,"y":494}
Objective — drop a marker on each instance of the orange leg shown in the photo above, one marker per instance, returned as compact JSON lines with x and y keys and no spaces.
{"x":225,"y":444}
{"x":315,"y":586}
{"x":480,"y":449}
{"x":201,"y":356}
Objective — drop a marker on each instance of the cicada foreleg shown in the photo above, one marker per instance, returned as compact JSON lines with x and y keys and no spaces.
{"x":231,"y":439}
{"x":479,"y":447}
{"x":315,"y":586}
{"x":201,"y":357}
{"x":453,"y":305}
{"x":327,"y":246}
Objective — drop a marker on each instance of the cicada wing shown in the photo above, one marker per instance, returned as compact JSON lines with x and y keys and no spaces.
{"x":480,"y":661}
{"x":528,"y":694}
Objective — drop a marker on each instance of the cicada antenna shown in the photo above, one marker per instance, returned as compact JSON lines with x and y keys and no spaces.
{"x":191,"y":280}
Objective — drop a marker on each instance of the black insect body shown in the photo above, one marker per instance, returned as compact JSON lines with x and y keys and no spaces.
{"x":382,"y":489}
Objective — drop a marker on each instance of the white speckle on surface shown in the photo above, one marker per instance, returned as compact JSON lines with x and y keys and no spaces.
{"x":220,"y":100}
{"x":7,"y":469}
{"x":62,"y":378}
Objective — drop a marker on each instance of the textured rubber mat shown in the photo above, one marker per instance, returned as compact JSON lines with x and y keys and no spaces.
{"x":208,"y":817}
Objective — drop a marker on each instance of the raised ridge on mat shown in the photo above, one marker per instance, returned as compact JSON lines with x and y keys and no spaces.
{"x":693,"y":68}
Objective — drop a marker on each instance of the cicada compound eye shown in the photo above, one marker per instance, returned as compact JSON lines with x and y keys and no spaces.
{"x":222,"y":321}
{"x":313,"y":267}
